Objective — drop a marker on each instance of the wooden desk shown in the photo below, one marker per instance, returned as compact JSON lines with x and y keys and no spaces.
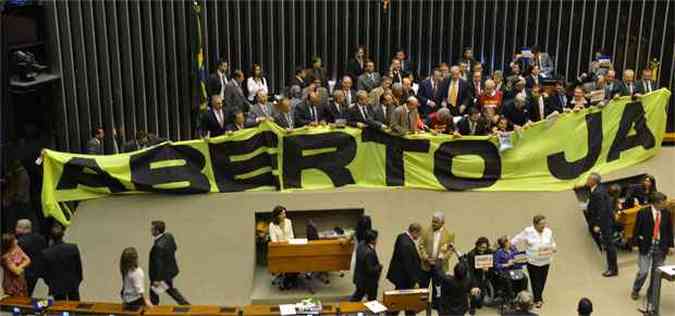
{"x":353,"y":308}
{"x":628,"y":217}
{"x":89,"y":308}
{"x":192,"y":310}
{"x":315,"y":256}
{"x":23,"y":303}
{"x":415,"y":300}
{"x":273,"y":310}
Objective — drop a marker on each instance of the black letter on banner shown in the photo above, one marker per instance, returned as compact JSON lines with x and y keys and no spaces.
{"x":449,"y":150}
{"x":145,"y":178}
{"x":395,"y":171}
{"x":333,"y":164}
{"x":74,"y":175}
{"x":562,"y":169}
{"x":633,"y":115}
{"x":225,"y":170}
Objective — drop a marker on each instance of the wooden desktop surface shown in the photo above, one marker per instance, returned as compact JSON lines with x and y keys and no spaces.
{"x":192,"y":310}
{"x":315,"y":256}
{"x":328,"y":309}
{"x":8,"y":303}
{"x":91,"y":308}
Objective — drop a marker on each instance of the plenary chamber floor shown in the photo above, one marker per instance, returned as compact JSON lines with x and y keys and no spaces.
{"x":216,"y":238}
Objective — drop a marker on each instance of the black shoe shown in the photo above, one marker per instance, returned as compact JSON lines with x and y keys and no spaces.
{"x":634,"y":295}
{"x":609,"y":274}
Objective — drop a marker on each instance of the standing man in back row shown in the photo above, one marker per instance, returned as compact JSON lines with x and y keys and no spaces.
{"x":163,"y":267}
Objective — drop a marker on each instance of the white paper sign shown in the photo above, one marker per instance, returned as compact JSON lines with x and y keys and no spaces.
{"x":483,"y":261}
{"x":544,"y":252}
{"x":287,"y":309}
{"x":375,"y":307}
{"x":297,"y":241}
{"x":597,"y":96}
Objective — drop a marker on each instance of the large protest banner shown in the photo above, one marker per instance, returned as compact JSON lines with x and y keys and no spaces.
{"x":551,"y":155}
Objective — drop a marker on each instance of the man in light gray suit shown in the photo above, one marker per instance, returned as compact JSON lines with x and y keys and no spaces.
{"x":261,"y":111}
{"x":95,"y":144}
{"x":370,"y":79}
{"x":405,"y":117}
{"x":235,"y":99}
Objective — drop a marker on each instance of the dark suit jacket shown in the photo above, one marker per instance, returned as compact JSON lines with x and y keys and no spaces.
{"x":213,"y":84}
{"x":333,"y":114}
{"x":516,"y":116}
{"x":302,"y":115}
{"x":282,"y":121}
{"x":644,"y":229}
{"x":210,"y":123}
{"x":163,"y":266}
{"x":354,"y":69}
{"x":464,"y":95}
{"x":367,"y":268}
{"x":533,"y":108}
{"x":625,"y":91}
{"x":425,"y":94}
{"x":63,"y":268}
{"x":454,"y":293}
{"x":379,"y":115}
{"x":33,"y":244}
{"x":235,"y":99}
{"x":601,"y":211}
{"x":464,"y":128}
{"x":404,"y":268}
{"x":612,"y":88}
{"x":529,"y":81}
{"x":320,"y":74}
{"x":558,"y":102}
{"x":233,"y":127}
{"x":295,"y":81}
{"x":641,"y":86}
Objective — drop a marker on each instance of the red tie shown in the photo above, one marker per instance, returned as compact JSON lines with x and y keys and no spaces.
{"x":657,"y":226}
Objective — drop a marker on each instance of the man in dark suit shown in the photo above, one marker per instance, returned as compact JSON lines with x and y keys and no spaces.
{"x":628,"y":86}
{"x":215,"y":119}
{"x":404,"y":268}
{"x":467,"y":59}
{"x":613,"y":87}
{"x":646,"y":84}
{"x":477,"y":87}
{"x":540,"y":106}
{"x":601,"y":214}
{"x":370,"y":79}
{"x":32,"y":244}
{"x":407,"y":67}
{"x":653,"y":235}
{"x":163,"y":267}
{"x":361,"y":114}
{"x":558,"y":99}
{"x":260,"y":111}
{"x":337,"y":110}
{"x":217,"y":80}
{"x":517,"y":111}
{"x":457,"y":91}
{"x":139,"y":142}
{"x":63,"y":267}
{"x":430,"y":93}
{"x":95,"y":144}
{"x":235,"y":99}
{"x":283,"y":115}
{"x":299,"y":78}
{"x":310,"y":112}
{"x":367,"y":269}
{"x":346,"y":87}
{"x":534,"y":77}
{"x":472,"y":124}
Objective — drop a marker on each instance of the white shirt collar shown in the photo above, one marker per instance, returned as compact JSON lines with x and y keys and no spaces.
{"x":154,"y":238}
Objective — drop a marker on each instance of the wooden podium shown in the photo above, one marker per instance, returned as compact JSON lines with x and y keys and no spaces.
{"x":314,"y":256}
{"x":415,"y":300}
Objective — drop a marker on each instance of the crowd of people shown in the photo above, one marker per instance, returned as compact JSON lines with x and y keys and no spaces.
{"x":460,"y":99}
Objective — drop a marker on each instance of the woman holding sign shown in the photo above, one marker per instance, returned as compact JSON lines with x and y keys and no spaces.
{"x":540,"y":249}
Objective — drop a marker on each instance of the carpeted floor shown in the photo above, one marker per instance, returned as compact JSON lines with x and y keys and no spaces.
{"x":215,"y":234}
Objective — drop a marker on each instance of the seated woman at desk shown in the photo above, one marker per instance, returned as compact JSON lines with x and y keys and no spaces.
{"x":281,"y":229}
{"x":509,"y":271}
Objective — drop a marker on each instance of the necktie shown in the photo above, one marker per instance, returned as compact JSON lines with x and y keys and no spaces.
{"x":434,"y":88}
{"x":219,"y":117}
{"x":312,"y":110}
{"x":453,"y":93}
{"x":477,"y":84}
{"x":657,"y":227}
{"x":290,"y":120}
{"x":472,"y":126}
{"x":363,"y":112}
{"x":411,"y":124}
{"x":649,"y":86}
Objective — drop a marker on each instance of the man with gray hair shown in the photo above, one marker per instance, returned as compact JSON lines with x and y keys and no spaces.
{"x":516,"y":111}
{"x":524,"y":305}
{"x":32,"y":244}
{"x":435,"y":248}
{"x":405,"y":117}
{"x":441,"y":122}
{"x":601,"y":216}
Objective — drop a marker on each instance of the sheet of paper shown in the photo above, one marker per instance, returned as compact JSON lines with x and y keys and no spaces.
{"x":160,"y":288}
{"x":375,"y":307}
{"x":297,"y":241}
{"x":287,"y":309}
{"x":669,"y":270}
{"x":483,"y":261}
